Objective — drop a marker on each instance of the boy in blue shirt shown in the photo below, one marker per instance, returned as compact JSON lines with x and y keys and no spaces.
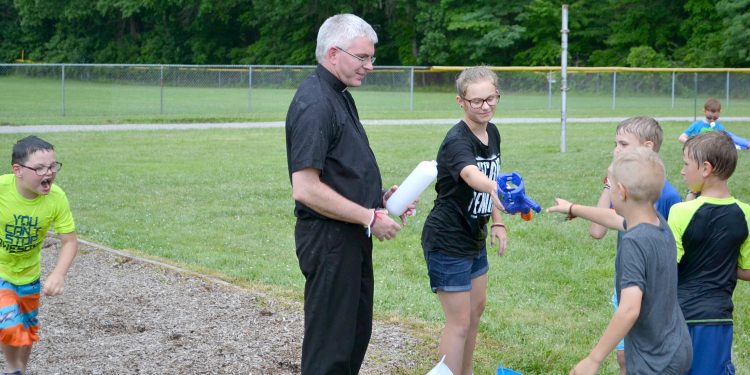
{"x":712,"y":110}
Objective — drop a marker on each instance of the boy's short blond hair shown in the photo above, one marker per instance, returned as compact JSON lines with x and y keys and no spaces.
{"x":641,"y":172}
{"x":645,"y":128}
{"x":712,"y":105}
{"x":715,"y":147}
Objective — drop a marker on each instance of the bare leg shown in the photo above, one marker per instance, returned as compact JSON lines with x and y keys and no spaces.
{"x":457,"y":310}
{"x":478,"y":301}
{"x":16,"y":357}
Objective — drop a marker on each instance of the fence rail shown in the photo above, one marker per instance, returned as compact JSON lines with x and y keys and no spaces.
{"x":47,"y":91}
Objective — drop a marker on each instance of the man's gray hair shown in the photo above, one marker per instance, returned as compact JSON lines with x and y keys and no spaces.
{"x":339,"y":31}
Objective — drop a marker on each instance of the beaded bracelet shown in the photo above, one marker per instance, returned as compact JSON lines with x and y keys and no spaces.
{"x":499,"y":225}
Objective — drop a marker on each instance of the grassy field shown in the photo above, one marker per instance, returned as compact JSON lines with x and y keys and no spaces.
{"x":218,"y":202}
{"x":26,"y":100}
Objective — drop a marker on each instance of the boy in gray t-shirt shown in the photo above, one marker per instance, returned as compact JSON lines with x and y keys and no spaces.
{"x":659,"y":338}
{"x":649,"y":315}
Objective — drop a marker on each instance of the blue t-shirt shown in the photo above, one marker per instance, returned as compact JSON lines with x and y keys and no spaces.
{"x":701,"y":126}
{"x":669,"y":196}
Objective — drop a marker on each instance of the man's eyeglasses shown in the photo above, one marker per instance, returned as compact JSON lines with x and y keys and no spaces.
{"x":477,"y":103}
{"x":363,"y":59}
{"x":43,"y":170}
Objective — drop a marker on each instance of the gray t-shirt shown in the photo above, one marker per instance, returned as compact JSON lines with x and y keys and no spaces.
{"x":659,"y":342}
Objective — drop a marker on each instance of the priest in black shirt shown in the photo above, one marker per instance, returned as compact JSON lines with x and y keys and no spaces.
{"x":339,"y":199}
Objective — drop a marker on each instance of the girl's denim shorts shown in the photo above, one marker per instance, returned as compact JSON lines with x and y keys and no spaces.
{"x":454,"y":274}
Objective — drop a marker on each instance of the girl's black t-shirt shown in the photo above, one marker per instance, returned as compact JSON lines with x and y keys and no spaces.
{"x":457,"y":223}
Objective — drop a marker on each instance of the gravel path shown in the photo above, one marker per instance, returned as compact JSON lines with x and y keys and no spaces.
{"x":124,"y":315}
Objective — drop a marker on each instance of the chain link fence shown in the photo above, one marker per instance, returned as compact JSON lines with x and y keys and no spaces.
{"x":49,"y":91}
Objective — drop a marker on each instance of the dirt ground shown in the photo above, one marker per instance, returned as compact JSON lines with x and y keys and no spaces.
{"x":122,"y":315}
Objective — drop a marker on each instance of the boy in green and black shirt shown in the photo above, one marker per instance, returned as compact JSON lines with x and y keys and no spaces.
{"x":713,"y":251}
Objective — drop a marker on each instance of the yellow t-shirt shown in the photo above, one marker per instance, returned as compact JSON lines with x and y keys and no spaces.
{"x":23,"y":226}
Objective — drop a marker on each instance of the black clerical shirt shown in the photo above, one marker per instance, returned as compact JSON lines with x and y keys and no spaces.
{"x":323,"y":131}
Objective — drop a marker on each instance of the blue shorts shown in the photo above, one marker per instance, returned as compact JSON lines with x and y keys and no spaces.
{"x":712,"y":349}
{"x":621,"y":344}
{"x":454,"y":274}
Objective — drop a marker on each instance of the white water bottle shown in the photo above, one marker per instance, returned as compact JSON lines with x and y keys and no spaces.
{"x":412,"y":187}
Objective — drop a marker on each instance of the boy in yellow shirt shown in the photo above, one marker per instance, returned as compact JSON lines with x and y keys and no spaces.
{"x":29,"y":205}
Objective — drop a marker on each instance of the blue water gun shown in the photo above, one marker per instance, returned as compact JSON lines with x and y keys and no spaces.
{"x":511,"y":190}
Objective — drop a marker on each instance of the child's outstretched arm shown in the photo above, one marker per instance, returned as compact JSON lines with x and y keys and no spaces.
{"x":598,"y":231}
{"x":602,"y":216}
{"x":55,"y":282}
{"x":480,"y":182}
{"x":622,"y":321}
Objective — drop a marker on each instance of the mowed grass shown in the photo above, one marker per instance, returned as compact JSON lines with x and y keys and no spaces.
{"x":25,"y":100}
{"x":219,"y":202}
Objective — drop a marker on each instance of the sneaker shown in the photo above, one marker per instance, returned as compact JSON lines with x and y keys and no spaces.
{"x":17,"y":372}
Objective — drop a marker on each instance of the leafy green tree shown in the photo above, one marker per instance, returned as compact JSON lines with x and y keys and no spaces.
{"x":645,"y":56}
{"x":287,"y":33}
{"x":735,"y":46}
{"x":485,"y":32}
{"x":588,"y":30}
{"x":430,"y":21}
{"x":285,"y":30}
{"x":155,"y":31}
{"x":703,"y":33}
{"x":37,"y":21}
{"x":634,"y":23}
{"x":134,"y":31}
{"x":10,"y":32}
{"x":468,"y":33}
{"x":421,"y":32}
{"x":540,"y":43}
{"x":216,"y":28}
{"x":397,"y":33}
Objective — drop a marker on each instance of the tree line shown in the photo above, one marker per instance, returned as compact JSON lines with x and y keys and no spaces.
{"x":638,"y":33}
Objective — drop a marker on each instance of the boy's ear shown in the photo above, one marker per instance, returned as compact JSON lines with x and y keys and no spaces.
{"x":649,"y":144}
{"x":706,"y":169}
{"x":16,"y":170}
{"x":622,"y":192}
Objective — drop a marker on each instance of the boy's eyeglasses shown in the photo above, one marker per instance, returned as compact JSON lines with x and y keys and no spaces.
{"x":477,"y":103}
{"x":362,"y":59}
{"x":43,"y":170}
